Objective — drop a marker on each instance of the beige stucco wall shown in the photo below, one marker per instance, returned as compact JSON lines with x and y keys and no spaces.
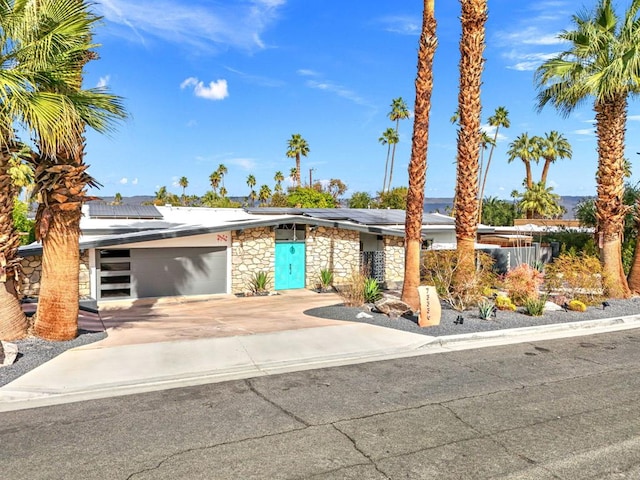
{"x":32,"y":271}
{"x":334,"y":249}
{"x":252,"y":250}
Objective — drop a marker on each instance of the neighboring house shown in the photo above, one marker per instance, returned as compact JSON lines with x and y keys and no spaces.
{"x":130,"y":252}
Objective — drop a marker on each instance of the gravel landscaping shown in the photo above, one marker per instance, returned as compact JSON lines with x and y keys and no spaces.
{"x":472,"y":322}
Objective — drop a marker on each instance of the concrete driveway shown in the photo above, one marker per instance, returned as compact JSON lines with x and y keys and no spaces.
{"x":169,"y":319}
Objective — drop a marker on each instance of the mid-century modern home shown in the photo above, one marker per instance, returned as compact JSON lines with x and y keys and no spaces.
{"x":130,"y":252}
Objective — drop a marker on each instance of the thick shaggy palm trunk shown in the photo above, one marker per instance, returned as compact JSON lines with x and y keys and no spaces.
{"x":418,"y":163}
{"x":474,"y":16}
{"x":611,"y":119}
{"x":634,"y":273}
{"x":57,"y":315}
{"x":13,"y":323}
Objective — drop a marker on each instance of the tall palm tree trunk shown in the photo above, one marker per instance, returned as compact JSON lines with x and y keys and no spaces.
{"x":57,"y":315}
{"x":634,"y":273}
{"x":58,"y":227}
{"x":298,"y":169}
{"x":393,"y":156}
{"x":545,"y":170}
{"x":473,"y":18}
{"x":610,"y":209}
{"x":13,"y":323}
{"x":418,"y":162}
{"x":486,"y":174}
{"x":386,"y":168}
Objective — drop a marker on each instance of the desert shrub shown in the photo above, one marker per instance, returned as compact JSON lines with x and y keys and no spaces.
{"x":504,"y":303}
{"x":260,"y":282}
{"x":372,"y":292}
{"x":523,"y":283}
{"x":352,"y":292}
{"x":576,"y":306}
{"x":577,"y":276}
{"x":535,"y":306}
{"x":485,"y":309}
{"x":440,"y":268}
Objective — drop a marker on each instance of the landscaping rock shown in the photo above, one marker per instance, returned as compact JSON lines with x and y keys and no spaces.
{"x":552,"y":307}
{"x":364,"y":315}
{"x":393,"y":307}
{"x":8,"y":353}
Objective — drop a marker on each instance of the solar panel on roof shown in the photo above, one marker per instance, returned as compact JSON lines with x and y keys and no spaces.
{"x":101,"y":210}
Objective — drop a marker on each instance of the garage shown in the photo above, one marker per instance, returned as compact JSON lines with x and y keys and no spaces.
{"x":162,"y":272}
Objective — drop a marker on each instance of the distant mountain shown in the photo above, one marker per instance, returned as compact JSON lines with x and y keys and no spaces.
{"x":444,"y":205}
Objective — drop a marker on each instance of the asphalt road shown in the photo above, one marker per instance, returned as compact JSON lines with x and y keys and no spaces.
{"x":558,"y":409}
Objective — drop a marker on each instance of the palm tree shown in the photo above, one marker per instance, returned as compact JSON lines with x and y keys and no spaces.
{"x":399,"y":111}
{"x":215,"y":179}
{"x":527,"y":149}
{"x":251,"y":182}
{"x":222,"y":170}
{"x":603,"y":62}
{"x":184,"y":183}
{"x":117,"y":199}
{"x":278,"y":178}
{"x":50,"y":42}
{"x":264,"y":195}
{"x":388,"y":138}
{"x":500,"y":118}
{"x":223,"y":191}
{"x":539,"y":201}
{"x":297,"y":146}
{"x":473,"y":18}
{"x":485,"y":142}
{"x":553,"y":146}
{"x":293,"y":174}
{"x":418,"y":162}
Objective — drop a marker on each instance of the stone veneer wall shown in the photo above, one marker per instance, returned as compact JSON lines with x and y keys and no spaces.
{"x":32,"y":272}
{"x":332,"y":248}
{"x":394,"y":261}
{"x":252,"y":250}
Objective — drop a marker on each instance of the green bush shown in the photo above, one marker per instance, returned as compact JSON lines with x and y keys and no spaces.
{"x":326,"y":278}
{"x":577,"y":276}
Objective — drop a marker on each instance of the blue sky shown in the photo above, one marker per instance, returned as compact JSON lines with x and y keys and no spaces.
{"x":229,"y":81}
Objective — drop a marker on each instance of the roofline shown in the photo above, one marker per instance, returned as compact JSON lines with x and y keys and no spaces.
{"x":118,"y":238}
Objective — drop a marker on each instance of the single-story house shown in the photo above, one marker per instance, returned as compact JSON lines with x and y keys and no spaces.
{"x":145,"y":251}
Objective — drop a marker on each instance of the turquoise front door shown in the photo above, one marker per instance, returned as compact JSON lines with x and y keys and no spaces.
{"x":290,"y":262}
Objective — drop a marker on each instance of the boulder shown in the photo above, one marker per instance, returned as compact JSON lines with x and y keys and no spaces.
{"x":393,"y":307}
{"x":8,"y":353}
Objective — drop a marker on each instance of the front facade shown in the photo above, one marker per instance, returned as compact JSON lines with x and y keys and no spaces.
{"x":184,"y":260}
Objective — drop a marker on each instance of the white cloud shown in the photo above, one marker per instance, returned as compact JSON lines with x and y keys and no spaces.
{"x":124,"y":180}
{"x":528,"y":61}
{"x":214,"y":91}
{"x":305,"y":72}
{"x":584,"y":131}
{"x":404,"y":25}
{"x":244,"y":163}
{"x":338,"y":90}
{"x":210,"y":26}
{"x":134,"y":181}
{"x":634,"y":118}
{"x":103,"y":82}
